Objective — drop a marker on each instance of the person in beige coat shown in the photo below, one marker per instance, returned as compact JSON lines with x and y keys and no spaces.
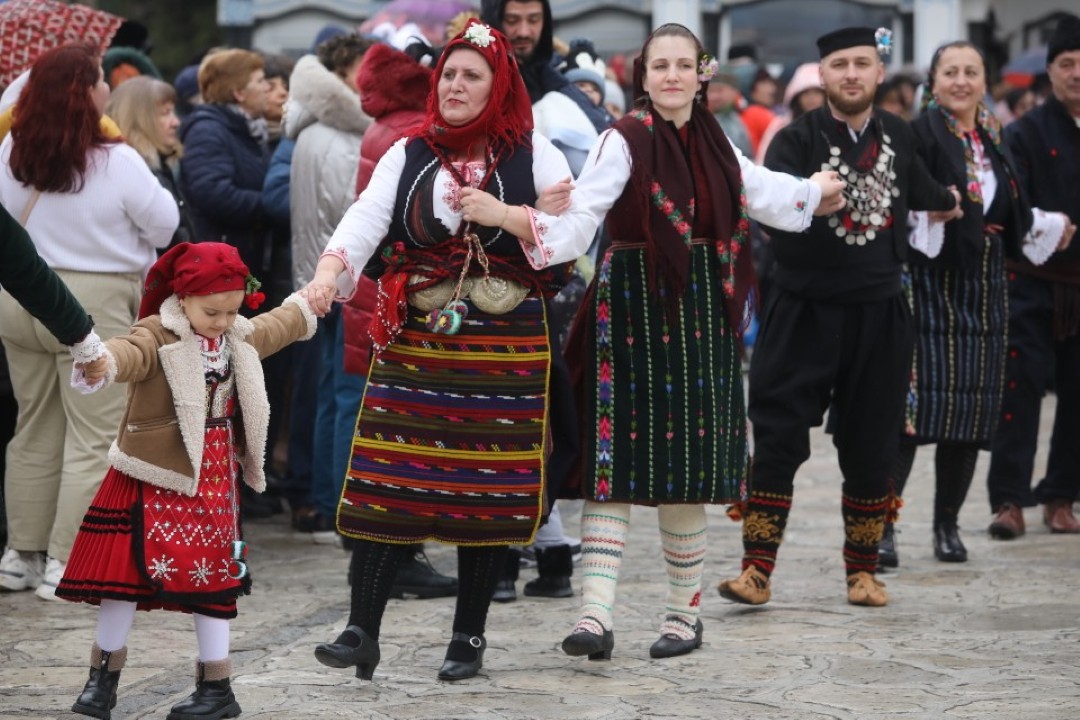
{"x":163,"y":532}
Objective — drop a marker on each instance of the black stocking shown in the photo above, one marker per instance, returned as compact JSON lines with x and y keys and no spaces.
{"x":478,"y":571}
{"x":373,"y":569}
{"x":954,"y":464}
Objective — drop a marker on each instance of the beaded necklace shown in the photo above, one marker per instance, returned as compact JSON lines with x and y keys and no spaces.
{"x":974,"y":154}
{"x":869,"y":194}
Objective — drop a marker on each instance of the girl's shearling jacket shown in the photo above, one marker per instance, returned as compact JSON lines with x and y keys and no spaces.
{"x":160,"y":440}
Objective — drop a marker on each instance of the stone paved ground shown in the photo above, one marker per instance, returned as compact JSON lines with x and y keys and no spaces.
{"x":994,"y":638}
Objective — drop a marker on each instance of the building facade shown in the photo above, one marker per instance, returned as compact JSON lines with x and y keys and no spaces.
{"x":783,"y":30}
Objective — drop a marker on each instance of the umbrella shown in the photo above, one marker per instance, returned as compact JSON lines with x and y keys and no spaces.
{"x":1030,"y":62}
{"x":30,"y":27}
{"x":432,"y":16}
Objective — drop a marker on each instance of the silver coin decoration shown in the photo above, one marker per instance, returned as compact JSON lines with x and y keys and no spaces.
{"x":869,"y":195}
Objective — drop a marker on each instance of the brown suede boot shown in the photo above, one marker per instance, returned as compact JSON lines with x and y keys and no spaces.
{"x":98,"y":697}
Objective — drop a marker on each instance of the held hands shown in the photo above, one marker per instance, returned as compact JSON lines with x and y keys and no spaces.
{"x":1067,"y":236}
{"x":946,"y":215}
{"x":832,"y":192}
{"x":320,"y":292}
{"x":94,"y":371}
{"x":555,"y":199}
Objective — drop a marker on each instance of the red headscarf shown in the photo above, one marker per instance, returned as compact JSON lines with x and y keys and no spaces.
{"x":507,"y":118}
{"x":198,"y":269}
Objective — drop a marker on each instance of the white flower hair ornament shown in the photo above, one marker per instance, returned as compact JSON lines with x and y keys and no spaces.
{"x":883,"y":38}
{"x":707,"y":67}
{"x":479,"y":35}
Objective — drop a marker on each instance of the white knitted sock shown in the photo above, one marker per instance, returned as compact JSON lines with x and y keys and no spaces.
{"x":604,"y":528}
{"x":683,"y":538}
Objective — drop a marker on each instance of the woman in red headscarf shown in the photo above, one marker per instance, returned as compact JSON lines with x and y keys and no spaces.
{"x":163,"y":532}
{"x":452,"y":434}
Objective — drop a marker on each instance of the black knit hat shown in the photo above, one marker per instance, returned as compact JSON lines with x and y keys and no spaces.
{"x":1066,"y":38}
{"x":845,"y":38}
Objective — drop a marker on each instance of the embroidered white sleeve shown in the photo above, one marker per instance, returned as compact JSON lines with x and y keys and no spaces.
{"x":926,"y":236}
{"x":777,"y":199}
{"x":566,"y":237}
{"x":537,"y":252}
{"x":1042,"y":240}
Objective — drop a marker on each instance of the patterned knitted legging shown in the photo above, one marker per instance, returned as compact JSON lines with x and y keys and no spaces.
{"x":766,"y":518}
{"x":604,"y":530}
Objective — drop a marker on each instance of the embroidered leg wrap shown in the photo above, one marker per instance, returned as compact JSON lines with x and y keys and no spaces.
{"x":604,"y":528}
{"x":864,"y":524}
{"x":683,"y":538}
{"x":763,"y":528}
{"x":955,"y":467}
{"x":374,"y":567}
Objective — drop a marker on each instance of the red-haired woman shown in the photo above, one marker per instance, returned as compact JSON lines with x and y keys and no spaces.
{"x":97,"y":217}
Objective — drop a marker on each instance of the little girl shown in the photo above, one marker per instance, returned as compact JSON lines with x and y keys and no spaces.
{"x":163,"y":531}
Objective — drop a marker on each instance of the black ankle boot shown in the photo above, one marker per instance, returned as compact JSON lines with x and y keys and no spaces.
{"x":463,"y":645}
{"x":597,"y":647}
{"x":213,"y":697}
{"x":555,"y":565}
{"x":887,"y":557}
{"x":352,"y":647}
{"x":947,"y":544}
{"x":670,"y":645}
{"x":504,"y":586}
{"x":98,"y":696}
{"x":419,"y":578}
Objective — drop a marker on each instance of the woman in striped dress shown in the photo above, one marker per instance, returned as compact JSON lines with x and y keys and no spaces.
{"x":956,"y":286}
{"x":452,"y":434}
{"x":656,"y":347}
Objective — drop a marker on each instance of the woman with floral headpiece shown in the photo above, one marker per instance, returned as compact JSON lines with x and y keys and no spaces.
{"x":957,"y":289}
{"x":656,"y":346}
{"x":452,"y":434}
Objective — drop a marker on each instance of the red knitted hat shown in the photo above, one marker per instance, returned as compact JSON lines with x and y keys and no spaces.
{"x":198,"y":269}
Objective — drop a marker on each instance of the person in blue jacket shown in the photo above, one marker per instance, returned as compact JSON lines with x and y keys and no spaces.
{"x":226,"y":156}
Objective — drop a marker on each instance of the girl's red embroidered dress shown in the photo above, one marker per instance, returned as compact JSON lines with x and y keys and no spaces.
{"x":161,"y":548}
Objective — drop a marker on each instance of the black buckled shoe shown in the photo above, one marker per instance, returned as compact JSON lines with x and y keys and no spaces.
{"x":98,"y":696}
{"x":456,"y":666}
{"x":213,"y":698}
{"x":671,"y":645}
{"x":417,"y":577}
{"x":352,"y":647}
{"x":583,"y":642}
{"x":947,"y":544}
{"x":887,"y":557}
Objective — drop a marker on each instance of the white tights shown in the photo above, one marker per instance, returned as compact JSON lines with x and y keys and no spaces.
{"x":117,"y":616}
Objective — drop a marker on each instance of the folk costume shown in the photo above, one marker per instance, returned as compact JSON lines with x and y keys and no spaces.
{"x":959,"y":303}
{"x":655,"y":351}
{"x":1044,"y":318}
{"x":452,"y":434}
{"x":836,"y":329}
{"x":163,"y":532}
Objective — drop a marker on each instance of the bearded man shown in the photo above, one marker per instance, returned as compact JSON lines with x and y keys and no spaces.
{"x":836,"y":330}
